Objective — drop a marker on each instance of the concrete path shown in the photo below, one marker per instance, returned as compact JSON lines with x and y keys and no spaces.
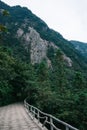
{"x":14,"y":117}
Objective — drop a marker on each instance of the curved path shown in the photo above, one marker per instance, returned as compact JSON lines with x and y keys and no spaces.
{"x":14,"y":117}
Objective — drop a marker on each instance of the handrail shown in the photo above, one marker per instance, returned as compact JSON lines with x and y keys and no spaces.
{"x":49,"y":119}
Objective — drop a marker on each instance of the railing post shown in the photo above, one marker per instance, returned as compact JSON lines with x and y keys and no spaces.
{"x":31,"y":109}
{"x":67,"y":128}
{"x":38,"y":116}
{"x":33,"y":113}
{"x":26,"y":106}
{"x":51,"y":122}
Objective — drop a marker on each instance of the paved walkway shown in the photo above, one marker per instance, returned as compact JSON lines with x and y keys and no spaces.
{"x":14,"y":117}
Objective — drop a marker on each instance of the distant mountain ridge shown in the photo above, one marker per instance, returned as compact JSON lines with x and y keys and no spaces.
{"x":81,"y":47}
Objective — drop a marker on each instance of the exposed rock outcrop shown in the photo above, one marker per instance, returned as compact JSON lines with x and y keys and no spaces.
{"x":38,"y":46}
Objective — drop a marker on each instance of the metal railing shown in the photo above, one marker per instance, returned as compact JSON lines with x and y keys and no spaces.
{"x":47,"y":118}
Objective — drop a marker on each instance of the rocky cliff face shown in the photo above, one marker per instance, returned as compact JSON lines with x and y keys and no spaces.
{"x":38,"y":47}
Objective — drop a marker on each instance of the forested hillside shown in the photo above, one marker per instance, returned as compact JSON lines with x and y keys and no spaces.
{"x":38,"y":63}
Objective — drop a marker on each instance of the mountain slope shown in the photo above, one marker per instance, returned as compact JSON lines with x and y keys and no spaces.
{"x":81,"y":47}
{"x":30,"y":38}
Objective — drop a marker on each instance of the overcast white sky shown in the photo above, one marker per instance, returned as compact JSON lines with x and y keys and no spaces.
{"x":68,"y":17}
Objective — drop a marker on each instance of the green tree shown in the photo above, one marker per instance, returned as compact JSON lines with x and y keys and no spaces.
{"x":6,"y":74}
{"x":31,"y":84}
{"x":3,"y":28}
{"x":58,"y":75}
{"x":79,"y":82}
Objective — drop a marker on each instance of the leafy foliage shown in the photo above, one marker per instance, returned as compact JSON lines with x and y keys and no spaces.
{"x":2,"y":27}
